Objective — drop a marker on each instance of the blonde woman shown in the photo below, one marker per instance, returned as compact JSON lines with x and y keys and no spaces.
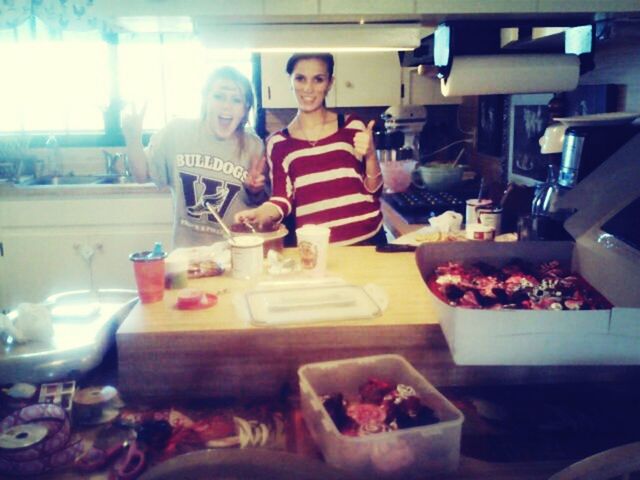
{"x":213,"y":160}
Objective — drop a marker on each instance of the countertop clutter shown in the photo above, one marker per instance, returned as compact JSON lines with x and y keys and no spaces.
{"x":207,"y":391}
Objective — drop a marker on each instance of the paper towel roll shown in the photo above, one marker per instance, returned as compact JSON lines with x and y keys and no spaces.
{"x":504,"y":74}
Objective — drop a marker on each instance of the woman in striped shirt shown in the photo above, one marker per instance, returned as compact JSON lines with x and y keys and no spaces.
{"x":323,"y":166}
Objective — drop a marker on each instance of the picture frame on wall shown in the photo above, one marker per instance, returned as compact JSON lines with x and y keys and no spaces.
{"x":490,"y":124}
{"x":528,"y":119}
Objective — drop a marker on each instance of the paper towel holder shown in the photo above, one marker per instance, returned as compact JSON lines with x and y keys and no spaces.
{"x":454,"y":39}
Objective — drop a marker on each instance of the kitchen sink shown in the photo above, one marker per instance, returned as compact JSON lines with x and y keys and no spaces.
{"x":113,"y":179}
{"x":75,"y":180}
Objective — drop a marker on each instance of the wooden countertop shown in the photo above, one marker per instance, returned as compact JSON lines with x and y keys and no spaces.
{"x":396,"y":273}
{"x":165,"y":352}
{"x":268,"y":356}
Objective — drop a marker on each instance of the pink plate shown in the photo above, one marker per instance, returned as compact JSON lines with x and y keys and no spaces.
{"x":207,"y":300}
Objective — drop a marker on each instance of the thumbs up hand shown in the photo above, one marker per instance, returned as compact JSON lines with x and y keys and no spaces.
{"x":363,"y":141}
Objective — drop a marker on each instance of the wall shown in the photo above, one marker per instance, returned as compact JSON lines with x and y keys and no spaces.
{"x":618,"y":62}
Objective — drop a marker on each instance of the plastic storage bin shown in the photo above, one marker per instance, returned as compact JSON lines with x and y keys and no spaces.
{"x":405,"y":453}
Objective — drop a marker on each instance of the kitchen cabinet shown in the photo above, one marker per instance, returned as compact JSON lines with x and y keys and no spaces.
{"x":277,"y":91}
{"x":112,"y":267}
{"x":368,"y":79}
{"x":362,"y":79}
{"x":37,"y":263}
{"x":66,"y":242}
{"x":305,"y":11}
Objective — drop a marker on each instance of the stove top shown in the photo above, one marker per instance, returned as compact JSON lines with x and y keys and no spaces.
{"x":417,"y":206}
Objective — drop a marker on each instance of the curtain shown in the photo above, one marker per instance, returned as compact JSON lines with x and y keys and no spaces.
{"x":57,"y":15}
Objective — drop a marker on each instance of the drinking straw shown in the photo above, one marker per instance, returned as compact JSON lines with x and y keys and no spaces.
{"x":458,"y":157}
{"x":215,"y":214}
{"x":506,"y":193}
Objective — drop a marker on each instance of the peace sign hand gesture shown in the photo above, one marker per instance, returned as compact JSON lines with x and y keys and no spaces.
{"x":132,"y":123}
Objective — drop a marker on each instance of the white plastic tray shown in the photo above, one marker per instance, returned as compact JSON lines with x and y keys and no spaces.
{"x":311,"y":304}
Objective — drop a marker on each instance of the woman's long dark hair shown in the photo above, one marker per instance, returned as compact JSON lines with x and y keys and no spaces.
{"x":234,"y":75}
{"x":327,"y":58}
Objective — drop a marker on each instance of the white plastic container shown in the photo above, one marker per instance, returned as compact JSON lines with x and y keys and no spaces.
{"x":247,"y":256}
{"x":405,"y":453}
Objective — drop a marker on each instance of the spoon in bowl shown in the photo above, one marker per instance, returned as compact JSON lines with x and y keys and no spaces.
{"x":249,"y":226}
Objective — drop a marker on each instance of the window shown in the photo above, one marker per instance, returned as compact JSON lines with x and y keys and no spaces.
{"x":77,"y":84}
{"x":52,"y":85}
{"x":168,"y":76}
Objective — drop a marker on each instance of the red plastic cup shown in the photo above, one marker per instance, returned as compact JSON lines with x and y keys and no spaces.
{"x":149,"y":273}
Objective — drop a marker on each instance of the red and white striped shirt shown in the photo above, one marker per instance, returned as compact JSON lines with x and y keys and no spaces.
{"x":323,"y":184}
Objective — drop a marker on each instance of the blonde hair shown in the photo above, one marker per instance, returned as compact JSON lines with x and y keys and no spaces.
{"x":234,"y":75}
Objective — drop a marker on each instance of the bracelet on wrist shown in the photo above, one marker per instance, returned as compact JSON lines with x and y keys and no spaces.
{"x":377,"y":175}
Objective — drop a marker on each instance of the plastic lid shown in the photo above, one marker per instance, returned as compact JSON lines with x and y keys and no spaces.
{"x":157,"y":250}
{"x":315,"y":304}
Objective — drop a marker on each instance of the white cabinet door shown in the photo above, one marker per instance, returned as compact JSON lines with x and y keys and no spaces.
{"x":276,"y":87}
{"x":367,"y":79}
{"x":363,"y":79}
{"x":37,"y":263}
{"x":111,"y":265}
{"x":56,"y":244}
{"x":277,"y":91}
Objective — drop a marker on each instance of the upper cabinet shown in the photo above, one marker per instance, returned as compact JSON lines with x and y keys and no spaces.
{"x":363,"y":79}
{"x":276,"y":87}
{"x":367,"y":79}
{"x":306,"y":11}
{"x":277,"y":91}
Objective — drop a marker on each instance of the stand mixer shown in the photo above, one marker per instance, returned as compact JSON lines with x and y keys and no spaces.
{"x":408,"y":120}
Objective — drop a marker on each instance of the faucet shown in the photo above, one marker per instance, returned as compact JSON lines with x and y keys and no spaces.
{"x":55,"y":159}
{"x":111,"y":161}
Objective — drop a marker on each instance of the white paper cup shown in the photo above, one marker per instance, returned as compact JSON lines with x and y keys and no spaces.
{"x":477,"y":231}
{"x":473,"y":204}
{"x":313,"y":244}
{"x":491,"y":217}
{"x":246,"y":256}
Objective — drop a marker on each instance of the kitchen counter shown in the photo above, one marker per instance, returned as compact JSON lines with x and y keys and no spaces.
{"x":164,"y":352}
{"x":394,"y":222}
{"x":11,"y":191}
